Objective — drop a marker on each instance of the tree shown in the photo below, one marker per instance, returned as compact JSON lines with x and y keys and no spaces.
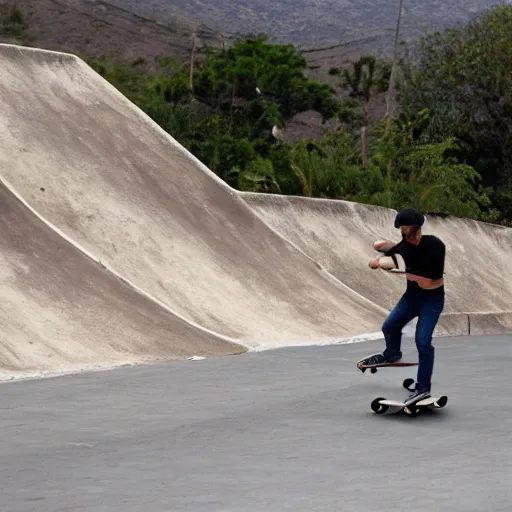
{"x":464,"y":78}
{"x":366,"y":78}
{"x":426,"y":175}
{"x":276,"y":71}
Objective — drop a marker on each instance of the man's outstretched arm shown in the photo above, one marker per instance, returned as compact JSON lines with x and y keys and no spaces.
{"x":384,"y":245}
{"x":388,"y":248}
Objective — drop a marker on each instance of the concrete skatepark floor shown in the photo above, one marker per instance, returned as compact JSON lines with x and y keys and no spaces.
{"x":283,"y":430}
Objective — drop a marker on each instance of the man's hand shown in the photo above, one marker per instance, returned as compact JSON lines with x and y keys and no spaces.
{"x":383,"y":245}
{"x":374,"y":263}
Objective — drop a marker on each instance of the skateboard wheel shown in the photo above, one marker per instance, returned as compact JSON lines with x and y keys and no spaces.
{"x":441,"y":402}
{"x":408,"y":383}
{"x":377,"y":407}
{"x":373,"y":370}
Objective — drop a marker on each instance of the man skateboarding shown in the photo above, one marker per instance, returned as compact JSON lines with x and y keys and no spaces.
{"x":424,"y":258}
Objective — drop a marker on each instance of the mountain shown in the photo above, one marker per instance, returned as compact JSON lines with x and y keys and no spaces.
{"x":90,"y":28}
{"x":312,"y":22}
{"x":330,"y":33}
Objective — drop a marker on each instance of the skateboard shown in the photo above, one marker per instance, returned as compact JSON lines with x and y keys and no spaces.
{"x":363,"y":366}
{"x":381,"y":405}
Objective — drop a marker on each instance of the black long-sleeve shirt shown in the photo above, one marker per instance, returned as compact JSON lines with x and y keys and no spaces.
{"x":426,"y":259}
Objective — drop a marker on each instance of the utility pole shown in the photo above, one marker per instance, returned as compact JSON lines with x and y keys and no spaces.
{"x":192,"y":61}
{"x":390,"y":97}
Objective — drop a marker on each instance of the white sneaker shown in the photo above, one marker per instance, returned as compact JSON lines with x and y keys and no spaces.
{"x":416,"y":397}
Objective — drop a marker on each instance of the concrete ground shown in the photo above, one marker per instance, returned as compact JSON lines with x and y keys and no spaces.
{"x":284,"y":430}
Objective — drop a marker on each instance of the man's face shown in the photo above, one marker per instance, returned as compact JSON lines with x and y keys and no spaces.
{"x":409,"y":233}
{"x":406,"y":230}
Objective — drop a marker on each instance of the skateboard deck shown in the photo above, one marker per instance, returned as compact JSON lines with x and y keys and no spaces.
{"x":374,"y":367}
{"x":381,"y":405}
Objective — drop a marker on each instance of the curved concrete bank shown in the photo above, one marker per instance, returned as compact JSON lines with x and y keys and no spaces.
{"x":135,"y":251}
{"x":93,"y":165}
{"x":62,"y":312}
{"x":339,"y":235}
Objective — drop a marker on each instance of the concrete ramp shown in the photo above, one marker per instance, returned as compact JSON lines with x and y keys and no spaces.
{"x":99,"y":171}
{"x":61,"y":312}
{"x":120,"y":247}
{"x":339,"y":235}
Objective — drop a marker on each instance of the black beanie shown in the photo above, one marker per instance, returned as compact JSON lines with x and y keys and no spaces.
{"x":409,"y":217}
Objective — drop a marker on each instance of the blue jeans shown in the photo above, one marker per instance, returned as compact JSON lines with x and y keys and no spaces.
{"x":427,"y":306}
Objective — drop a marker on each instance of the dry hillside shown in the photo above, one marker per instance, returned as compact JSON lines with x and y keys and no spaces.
{"x":329,"y":33}
{"x":311,"y":22}
{"x":95,"y":27}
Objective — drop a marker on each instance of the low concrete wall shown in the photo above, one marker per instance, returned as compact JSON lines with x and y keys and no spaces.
{"x":452,"y":324}
{"x":474,"y":324}
{"x":490,"y":323}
